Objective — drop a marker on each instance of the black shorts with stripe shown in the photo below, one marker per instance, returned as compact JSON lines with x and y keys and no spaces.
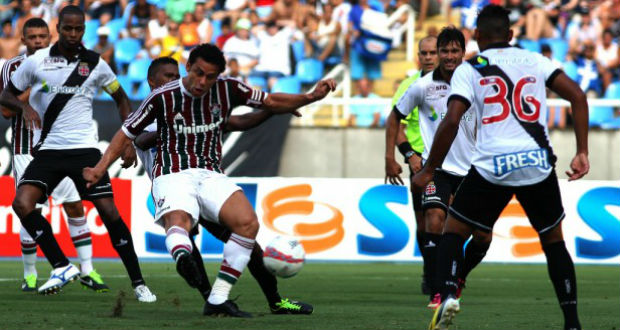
{"x":479,"y":202}
{"x":438,"y":192}
{"x":49,"y":167}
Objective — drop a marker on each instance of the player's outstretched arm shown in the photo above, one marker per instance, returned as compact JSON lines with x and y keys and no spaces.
{"x":247,"y":121}
{"x":283,"y":103}
{"x":119,"y":143}
{"x":9,"y":98}
{"x":124,"y":108}
{"x":570,"y":91}
{"x":446,"y":132}
{"x":392,"y":168}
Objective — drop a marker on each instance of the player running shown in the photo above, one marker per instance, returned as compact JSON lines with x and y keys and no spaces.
{"x":192,"y":113}
{"x":505,"y":86}
{"x":35,"y":36}
{"x":430,"y":94}
{"x":160,"y":72}
{"x":411,"y":146}
{"x":63,"y":80}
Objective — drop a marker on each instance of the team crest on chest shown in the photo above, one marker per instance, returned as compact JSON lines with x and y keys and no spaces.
{"x":83,"y":69}
{"x":216,"y":109}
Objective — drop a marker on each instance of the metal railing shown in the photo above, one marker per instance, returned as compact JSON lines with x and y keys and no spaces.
{"x":408,"y":27}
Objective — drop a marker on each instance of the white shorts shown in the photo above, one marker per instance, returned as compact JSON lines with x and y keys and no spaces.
{"x":199,"y":192}
{"x":64,"y":192}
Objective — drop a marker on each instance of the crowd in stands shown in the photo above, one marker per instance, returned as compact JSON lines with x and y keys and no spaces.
{"x":283,"y":45}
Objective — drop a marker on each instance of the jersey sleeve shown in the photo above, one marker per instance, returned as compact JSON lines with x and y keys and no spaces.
{"x":5,"y":75}
{"x":107,"y":79}
{"x":242,"y":94}
{"x":23,"y":77}
{"x":144,"y":116}
{"x":461,"y":85}
{"x":550,"y":70}
{"x":412,"y":98}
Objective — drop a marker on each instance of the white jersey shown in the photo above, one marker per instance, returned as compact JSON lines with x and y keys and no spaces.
{"x":506,"y":88}
{"x":62,"y":94}
{"x":430,"y":94}
{"x":147,"y":157}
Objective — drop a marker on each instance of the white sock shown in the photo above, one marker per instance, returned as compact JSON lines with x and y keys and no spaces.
{"x":80,"y":235}
{"x":178,"y":242}
{"x":237,"y":253}
{"x":29,"y":252}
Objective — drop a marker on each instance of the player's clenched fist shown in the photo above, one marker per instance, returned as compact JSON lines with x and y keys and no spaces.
{"x":91,"y":175}
{"x":323,"y":88}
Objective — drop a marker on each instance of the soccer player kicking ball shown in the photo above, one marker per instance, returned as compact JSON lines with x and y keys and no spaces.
{"x":35,"y":36}
{"x":192,"y":113}
{"x":505,"y":86}
{"x":164,"y":70}
{"x":63,"y":80}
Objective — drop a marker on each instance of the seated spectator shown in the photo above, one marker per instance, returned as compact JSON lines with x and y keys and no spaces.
{"x":608,"y":13}
{"x":242,"y":47}
{"x":592,"y":78}
{"x":156,"y":30}
{"x":288,"y":13}
{"x":189,"y":32}
{"x":607,"y":51}
{"x":104,"y":47}
{"x":557,"y":115}
{"x":517,"y":12}
{"x":538,"y":24}
{"x":341,"y":15}
{"x":263,"y":7}
{"x":426,"y":8}
{"x":26,"y":10}
{"x":7,"y":9}
{"x":226,"y":33}
{"x":365,"y":115}
{"x":469,"y":11}
{"x":232,"y":70}
{"x":366,"y":25}
{"x":9,"y":41}
{"x":171,"y":44}
{"x":176,"y":9}
{"x":205,"y":29}
{"x":274,"y":53}
{"x":103,"y":10}
{"x":139,"y":16}
{"x":587,"y":30}
{"x":321,"y":35}
{"x":471,"y":45}
{"x":232,"y":9}
{"x":41,"y":10}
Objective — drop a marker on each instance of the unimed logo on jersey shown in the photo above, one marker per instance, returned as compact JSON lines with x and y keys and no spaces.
{"x":102,"y":248}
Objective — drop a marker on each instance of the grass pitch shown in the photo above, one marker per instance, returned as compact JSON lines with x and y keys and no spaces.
{"x":345,"y":296}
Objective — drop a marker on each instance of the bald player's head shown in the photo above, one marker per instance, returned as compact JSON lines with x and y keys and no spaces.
{"x":427,"y":53}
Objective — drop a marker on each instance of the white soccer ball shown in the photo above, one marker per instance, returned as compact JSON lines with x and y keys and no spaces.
{"x":284,"y":256}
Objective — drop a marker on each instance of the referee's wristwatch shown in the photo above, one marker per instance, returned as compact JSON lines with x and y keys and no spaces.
{"x":408,"y":155}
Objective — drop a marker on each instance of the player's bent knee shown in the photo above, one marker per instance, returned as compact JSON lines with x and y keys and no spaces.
{"x":247,"y":226}
{"x":554,"y":235}
{"x":22,"y":205}
{"x":435,"y":220}
{"x":74,"y":209}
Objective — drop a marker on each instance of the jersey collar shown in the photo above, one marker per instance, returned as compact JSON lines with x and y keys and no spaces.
{"x":437,"y":76}
{"x":55,"y":51}
{"x":498,"y":45}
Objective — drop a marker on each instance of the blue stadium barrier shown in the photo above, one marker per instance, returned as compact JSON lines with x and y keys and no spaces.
{"x":288,"y":84}
{"x":143,"y":91}
{"x":570,"y":68}
{"x":309,"y":70}
{"x":257,"y":82}
{"x":125,"y":51}
{"x":531,"y":45}
{"x":90,"y":37}
{"x":115,"y":25}
{"x":137,"y":70}
{"x":298,"y":50}
{"x":333,"y":60}
{"x":126,"y":83}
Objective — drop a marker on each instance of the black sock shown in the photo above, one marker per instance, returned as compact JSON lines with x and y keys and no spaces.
{"x":474,"y":253}
{"x":123,"y":244}
{"x":562,"y":274}
{"x":204,"y":287}
{"x":420,"y":237}
{"x":449,"y":261}
{"x":265,"y":279}
{"x":38,"y":227}
{"x":430,"y":249}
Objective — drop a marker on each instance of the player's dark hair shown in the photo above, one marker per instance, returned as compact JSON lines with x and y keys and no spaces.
{"x":493,"y":22}
{"x":159,"y":62}
{"x":70,"y":10}
{"x":210,"y":53}
{"x":34,"y":23}
{"x":450,"y":34}
{"x":608,"y":31}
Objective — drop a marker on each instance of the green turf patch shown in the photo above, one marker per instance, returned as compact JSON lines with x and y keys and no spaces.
{"x":345,"y":296}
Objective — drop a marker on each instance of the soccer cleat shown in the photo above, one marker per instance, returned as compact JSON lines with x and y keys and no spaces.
{"x":188,"y":269}
{"x":143,"y":294}
{"x":286,"y":306}
{"x":59,"y":277}
{"x":444,"y":314}
{"x":227,"y":308}
{"x":459,"y":289}
{"x":93,"y":281}
{"x":29,"y":283}
{"x":435,"y":302}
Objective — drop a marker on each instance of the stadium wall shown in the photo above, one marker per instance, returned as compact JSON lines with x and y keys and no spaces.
{"x":359,"y":153}
{"x":342,"y":220}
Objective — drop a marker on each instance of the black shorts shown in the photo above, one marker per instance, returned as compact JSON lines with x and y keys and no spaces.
{"x":49,"y":167}
{"x":438,"y":192}
{"x":415,"y":196}
{"x":480,"y":202}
